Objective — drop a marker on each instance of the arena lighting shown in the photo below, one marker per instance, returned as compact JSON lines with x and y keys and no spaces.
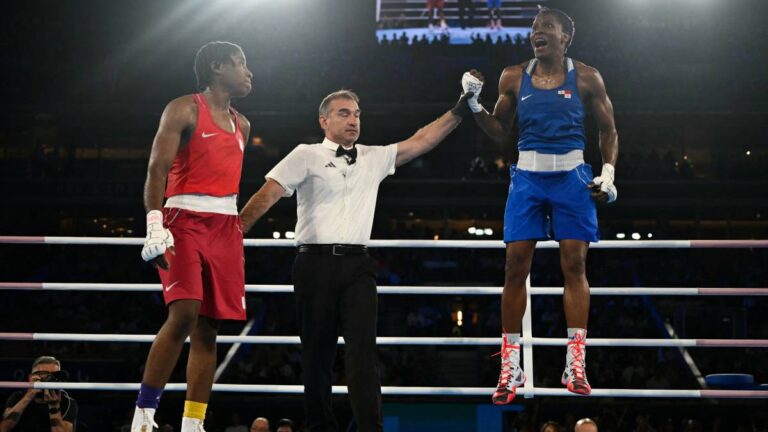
{"x":182,"y":21}
{"x":621,"y":236}
{"x":650,"y":235}
{"x":488,"y":231}
{"x":635,"y":236}
{"x":290,"y":235}
{"x":749,"y":152}
{"x":471,"y":230}
{"x":275,"y":235}
{"x":479,"y":232}
{"x":459,"y":318}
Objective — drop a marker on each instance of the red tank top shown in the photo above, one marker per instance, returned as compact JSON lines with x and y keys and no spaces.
{"x":212,"y":160}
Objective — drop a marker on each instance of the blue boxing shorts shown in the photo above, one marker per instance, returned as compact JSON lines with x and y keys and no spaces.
{"x":543,"y":204}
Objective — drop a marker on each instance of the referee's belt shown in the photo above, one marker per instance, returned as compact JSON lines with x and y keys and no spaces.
{"x":333,"y":249}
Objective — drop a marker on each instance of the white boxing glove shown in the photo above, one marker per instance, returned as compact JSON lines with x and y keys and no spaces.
{"x":605,"y":181}
{"x":470,"y":83}
{"x":159,"y":239}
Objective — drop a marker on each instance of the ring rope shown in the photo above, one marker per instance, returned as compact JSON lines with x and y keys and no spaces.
{"x":398,"y":289}
{"x":396,"y":340}
{"x":429,"y":244}
{"x":529,"y":390}
{"x":403,"y":391}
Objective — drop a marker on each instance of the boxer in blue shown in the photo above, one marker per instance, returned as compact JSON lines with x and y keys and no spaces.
{"x":552,"y":193}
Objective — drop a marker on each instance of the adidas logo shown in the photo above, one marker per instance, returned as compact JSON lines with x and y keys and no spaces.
{"x":330,"y":165}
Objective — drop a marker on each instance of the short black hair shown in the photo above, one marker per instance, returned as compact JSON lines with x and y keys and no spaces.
{"x":286,"y":422}
{"x":565,"y":21}
{"x":213,"y":52}
{"x":551,"y":423}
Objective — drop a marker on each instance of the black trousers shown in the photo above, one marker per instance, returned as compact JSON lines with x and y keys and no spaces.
{"x":336,"y":295}
{"x":466,"y":13}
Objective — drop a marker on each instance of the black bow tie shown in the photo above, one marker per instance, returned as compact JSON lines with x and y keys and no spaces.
{"x":350,"y":155}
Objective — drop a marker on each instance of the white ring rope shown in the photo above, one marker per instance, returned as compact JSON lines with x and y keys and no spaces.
{"x":528,"y":390}
{"x":428,"y":244}
{"x":402,"y":391}
{"x":430,"y":341}
{"x":398,"y":289}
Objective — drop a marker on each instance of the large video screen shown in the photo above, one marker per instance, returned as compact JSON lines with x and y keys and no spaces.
{"x":458,"y":22}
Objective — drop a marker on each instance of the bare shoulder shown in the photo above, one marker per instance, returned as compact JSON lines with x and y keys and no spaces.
{"x":510,"y":78}
{"x":183,"y":103}
{"x":244,"y":120}
{"x":514,"y":71}
{"x":587,"y":73}
{"x":182,"y":108}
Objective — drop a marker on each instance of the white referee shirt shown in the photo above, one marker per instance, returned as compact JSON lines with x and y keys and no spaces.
{"x":335,"y":200}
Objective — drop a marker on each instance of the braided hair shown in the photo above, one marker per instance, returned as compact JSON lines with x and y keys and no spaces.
{"x":565,"y":21}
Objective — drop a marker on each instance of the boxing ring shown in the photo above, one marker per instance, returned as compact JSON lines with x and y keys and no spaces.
{"x":528,"y":340}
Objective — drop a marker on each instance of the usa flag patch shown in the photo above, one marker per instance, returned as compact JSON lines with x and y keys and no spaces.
{"x":564,"y":93}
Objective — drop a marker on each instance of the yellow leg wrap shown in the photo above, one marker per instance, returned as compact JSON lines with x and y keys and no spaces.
{"x":194,"y":409}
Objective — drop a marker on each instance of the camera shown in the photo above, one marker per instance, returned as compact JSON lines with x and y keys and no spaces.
{"x":57,"y":376}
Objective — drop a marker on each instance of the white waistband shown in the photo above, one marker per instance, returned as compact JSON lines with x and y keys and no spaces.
{"x":204,"y":203}
{"x":531,"y":160}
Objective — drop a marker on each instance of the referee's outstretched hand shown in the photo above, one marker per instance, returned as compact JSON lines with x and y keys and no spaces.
{"x":461,"y":108}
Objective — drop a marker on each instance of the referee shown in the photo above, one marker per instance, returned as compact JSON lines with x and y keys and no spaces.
{"x":334,"y":281}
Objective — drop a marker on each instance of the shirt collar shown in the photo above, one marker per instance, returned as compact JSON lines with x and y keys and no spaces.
{"x":330,"y":145}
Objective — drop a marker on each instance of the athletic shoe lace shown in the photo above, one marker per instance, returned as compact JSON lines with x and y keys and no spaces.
{"x":506,"y":361}
{"x":576,"y":363}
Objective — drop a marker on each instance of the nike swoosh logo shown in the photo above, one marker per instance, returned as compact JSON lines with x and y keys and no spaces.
{"x":205,"y":135}
{"x":526,"y":97}
{"x":168,"y":288}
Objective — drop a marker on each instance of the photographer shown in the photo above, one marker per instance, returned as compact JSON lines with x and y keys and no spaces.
{"x":36,"y":410}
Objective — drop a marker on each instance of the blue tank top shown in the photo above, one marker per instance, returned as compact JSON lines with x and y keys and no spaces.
{"x":551,"y":121}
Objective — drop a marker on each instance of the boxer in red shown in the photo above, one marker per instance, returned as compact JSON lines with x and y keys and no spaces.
{"x":195,"y":241}
{"x":439,"y":5}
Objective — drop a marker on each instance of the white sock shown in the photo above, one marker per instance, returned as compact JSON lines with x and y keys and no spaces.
{"x":189,"y":424}
{"x":573,"y":330}
{"x":142,"y":416}
{"x":512,"y":338}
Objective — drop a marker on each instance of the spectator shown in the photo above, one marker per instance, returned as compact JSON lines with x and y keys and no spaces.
{"x":585,"y":425}
{"x":551,"y":426}
{"x":37,"y":410}
{"x":260,"y":424}
{"x":285,"y":425}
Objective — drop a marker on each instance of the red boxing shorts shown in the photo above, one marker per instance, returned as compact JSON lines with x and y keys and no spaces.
{"x":432,"y":4}
{"x":208,"y":264}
